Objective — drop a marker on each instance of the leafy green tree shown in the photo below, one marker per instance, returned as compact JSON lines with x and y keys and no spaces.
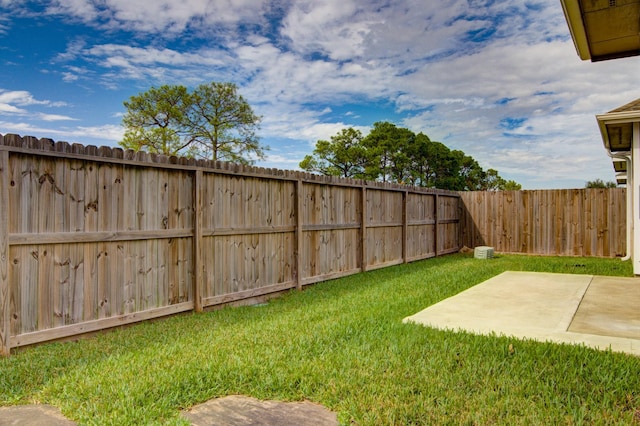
{"x":599,"y":183}
{"x":342,"y":156}
{"x":472,"y":176}
{"x":419,"y":166}
{"x":494,"y":182}
{"x":432,"y":164}
{"x":223,"y":124}
{"x":153,"y":120}
{"x":387,"y":146}
{"x":511,"y":185}
{"x":212,"y":121}
{"x":446,"y":168}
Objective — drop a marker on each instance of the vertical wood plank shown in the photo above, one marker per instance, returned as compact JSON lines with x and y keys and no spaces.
{"x":436,"y":228}
{"x":173,"y":260}
{"x":198,"y":279}
{"x":152,"y":222}
{"x":298,"y":235}
{"x":363,"y":229}
{"x":5,"y":313}
{"x":405,"y":227}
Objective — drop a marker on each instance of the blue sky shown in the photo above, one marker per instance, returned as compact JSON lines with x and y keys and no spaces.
{"x":499,"y":80}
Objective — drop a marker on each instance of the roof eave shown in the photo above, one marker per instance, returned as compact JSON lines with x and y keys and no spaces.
{"x":573,"y":15}
{"x":614,"y":118}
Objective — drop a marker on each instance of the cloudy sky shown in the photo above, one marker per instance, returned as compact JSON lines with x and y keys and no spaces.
{"x":500,"y":80}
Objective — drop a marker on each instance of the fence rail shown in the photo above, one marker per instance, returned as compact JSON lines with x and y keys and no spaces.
{"x":92,"y":238}
{"x":566,"y":222}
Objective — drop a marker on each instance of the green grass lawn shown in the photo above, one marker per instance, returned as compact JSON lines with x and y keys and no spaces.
{"x":341,"y":344}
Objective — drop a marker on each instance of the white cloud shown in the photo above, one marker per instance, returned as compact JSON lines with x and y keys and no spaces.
{"x":82,"y":9}
{"x":336,"y":28}
{"x":122,"y":63}
{"x":19,"y":97}
{"x":69,"y":77}
{"x":13,"y":101}
{"x":54,"y":117}
{"x":109,"y":132}
{"x":164,"y":17}
{"x":10,"y":109}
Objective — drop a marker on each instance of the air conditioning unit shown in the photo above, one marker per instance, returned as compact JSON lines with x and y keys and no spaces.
{"x":483,"y":252}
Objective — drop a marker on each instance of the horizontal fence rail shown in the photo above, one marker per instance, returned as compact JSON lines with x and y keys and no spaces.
{"x":563,"y":222}
{"x":92,"y":238}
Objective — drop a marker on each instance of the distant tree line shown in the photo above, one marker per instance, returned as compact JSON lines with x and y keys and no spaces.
{"x":394,"y":154}
{"x":599,"y":183}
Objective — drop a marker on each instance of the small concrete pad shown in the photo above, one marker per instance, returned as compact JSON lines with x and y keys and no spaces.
{"x":539,"y":306}
{"x":237,"y":410}
{"x":33,"y":415}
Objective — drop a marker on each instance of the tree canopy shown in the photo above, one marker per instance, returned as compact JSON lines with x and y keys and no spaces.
{"x":599,"y":183}
{"x":393,"y":154}
{"x":343,"y":156}
{"x":212,"y":121}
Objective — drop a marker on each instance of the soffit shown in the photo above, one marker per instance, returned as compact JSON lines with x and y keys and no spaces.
{"x":604,"y":29}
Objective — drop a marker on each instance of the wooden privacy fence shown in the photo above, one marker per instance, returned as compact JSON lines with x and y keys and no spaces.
{"x":92,"y":238}
{"x":565,"y":222}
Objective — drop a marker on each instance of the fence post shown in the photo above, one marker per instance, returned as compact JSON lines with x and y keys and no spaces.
{"x":5,"y":321}
{"x":198,"y":279}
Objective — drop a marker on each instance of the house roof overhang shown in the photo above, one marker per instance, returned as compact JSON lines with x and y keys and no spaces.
{"x":616,"y":128}
{"x":604,"y":29}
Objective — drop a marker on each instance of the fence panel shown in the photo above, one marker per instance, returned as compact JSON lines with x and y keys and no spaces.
{"x":384,"y":228}
{"x":92,"y":241}
{"x":331,"y":219}
{"x":421,"y":218}
{"x":565,"y":222}
{"x":448,"y":224}
{"x":248,"y":236}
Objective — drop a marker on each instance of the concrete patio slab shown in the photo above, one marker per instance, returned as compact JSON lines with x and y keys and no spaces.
{"x":599,"y":312}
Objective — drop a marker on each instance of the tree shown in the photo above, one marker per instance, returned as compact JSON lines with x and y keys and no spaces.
{"x":223,"y":124}
{"x":388,"y":149}
{"x":511,"y":185}
{"x":445,"y":166}
{"x":433,"y":165}
{"x":343,"y":156}
{"x":153,"y":120}
{"x":599,"y":183}
{"x":418,"y":153}
{"x":492,"y":181}
{"x":212,"y":121}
